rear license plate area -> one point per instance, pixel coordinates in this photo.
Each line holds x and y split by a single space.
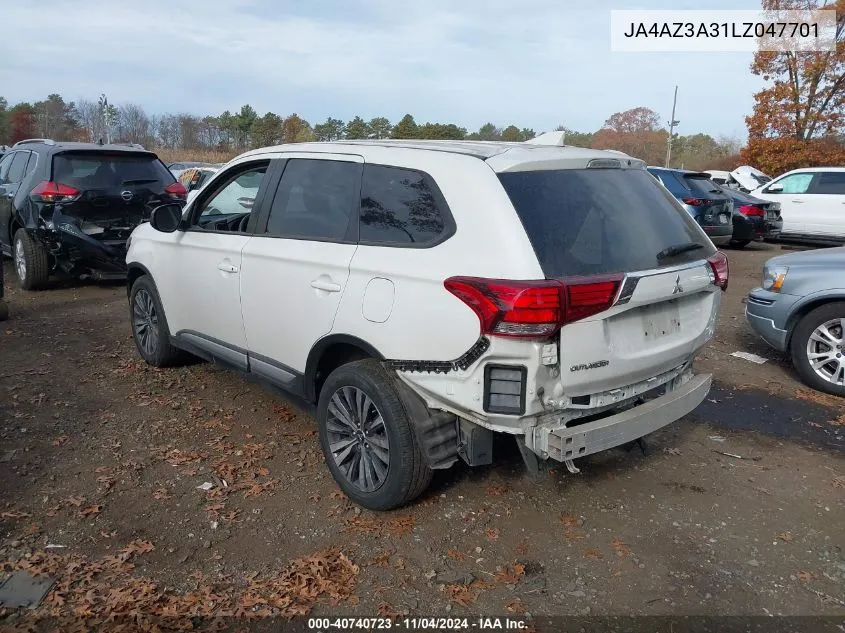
661 320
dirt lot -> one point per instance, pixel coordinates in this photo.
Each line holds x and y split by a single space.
102 460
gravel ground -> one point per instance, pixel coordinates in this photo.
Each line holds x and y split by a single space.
106 457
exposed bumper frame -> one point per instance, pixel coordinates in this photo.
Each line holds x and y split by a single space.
563 443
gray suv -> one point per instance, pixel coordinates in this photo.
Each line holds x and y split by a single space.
800 308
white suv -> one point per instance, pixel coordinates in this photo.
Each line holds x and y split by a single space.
424 295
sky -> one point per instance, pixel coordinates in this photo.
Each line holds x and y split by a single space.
533 63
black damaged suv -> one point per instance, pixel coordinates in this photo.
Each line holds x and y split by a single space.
70 207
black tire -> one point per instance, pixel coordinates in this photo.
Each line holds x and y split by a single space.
35 259
739 243
801 338
149 325
407 474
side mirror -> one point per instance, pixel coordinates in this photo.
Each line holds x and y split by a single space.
166 218
776 188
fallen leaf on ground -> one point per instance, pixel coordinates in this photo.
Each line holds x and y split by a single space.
569 520
138 546
786 537
805 576
838 481
522 548
620 547
91 511
672 451
461 594
75 501
383 559
515 606
456 555
592 554
387 610
14 514
510 574
496 490
492 534
62 439
161 494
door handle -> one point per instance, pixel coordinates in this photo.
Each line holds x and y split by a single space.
227 268
798 201
328 286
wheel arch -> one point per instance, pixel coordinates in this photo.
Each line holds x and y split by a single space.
133 273
805 308
329 353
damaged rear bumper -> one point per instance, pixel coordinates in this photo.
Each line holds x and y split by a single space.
74 250
564 441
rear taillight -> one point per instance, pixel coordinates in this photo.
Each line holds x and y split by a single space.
696 202
719 264
49 191
176 189
533 309
751 211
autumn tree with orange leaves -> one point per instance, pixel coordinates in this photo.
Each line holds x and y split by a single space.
799 117
637 132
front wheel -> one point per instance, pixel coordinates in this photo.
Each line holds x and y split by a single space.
368 438
149 325
818 348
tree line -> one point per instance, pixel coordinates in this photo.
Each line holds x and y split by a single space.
637 131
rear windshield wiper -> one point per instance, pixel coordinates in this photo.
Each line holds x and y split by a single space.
677 249
139 181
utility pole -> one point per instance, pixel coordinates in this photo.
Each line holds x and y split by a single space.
672 124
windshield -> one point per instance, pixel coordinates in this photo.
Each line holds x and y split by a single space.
598 221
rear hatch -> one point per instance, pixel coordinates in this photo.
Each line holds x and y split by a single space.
116 190
634 266
710 205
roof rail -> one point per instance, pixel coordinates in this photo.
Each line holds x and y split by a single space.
46 141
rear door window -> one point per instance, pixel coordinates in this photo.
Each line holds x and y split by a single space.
401 207
315 200
672 182
829 182
599 221
17 168
103 170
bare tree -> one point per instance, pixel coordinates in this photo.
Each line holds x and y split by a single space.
133 124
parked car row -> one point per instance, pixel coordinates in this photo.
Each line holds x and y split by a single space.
727 216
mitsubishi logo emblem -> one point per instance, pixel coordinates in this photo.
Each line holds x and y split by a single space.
678 287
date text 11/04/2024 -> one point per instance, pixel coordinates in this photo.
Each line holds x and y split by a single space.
723 29
417 624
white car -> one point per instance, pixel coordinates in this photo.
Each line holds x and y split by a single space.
425 295
812 203
744 178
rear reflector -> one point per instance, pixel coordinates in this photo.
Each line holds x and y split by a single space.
504 389
49 191
751 211
719 264
533 309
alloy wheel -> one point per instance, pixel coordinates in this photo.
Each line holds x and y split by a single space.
357 438
825 351
20 260
145 321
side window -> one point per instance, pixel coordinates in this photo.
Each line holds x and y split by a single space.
315 199
4 167
795 183
16 170
829 182
30 166
237 196
401 206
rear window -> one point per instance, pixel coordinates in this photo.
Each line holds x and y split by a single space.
702 186
107 171
599 221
